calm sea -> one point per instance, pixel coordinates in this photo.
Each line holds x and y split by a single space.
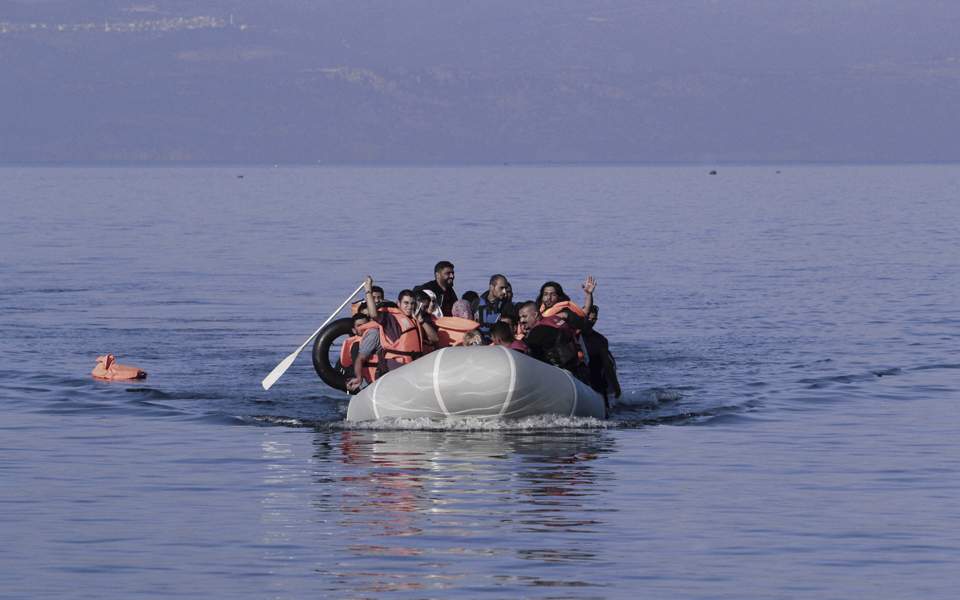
788 339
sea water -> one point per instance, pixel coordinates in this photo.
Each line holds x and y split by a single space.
788 341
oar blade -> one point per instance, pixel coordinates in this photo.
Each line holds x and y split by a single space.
278 371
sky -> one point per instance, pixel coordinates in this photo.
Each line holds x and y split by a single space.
485 81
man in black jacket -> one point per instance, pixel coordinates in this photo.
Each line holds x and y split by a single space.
442 286
492 304
603 367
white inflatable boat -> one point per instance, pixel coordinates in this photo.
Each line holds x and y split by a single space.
479 382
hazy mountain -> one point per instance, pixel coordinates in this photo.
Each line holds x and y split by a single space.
484 80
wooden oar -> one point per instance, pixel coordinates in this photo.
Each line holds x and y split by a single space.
280 369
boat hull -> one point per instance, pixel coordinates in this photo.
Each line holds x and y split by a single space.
476 382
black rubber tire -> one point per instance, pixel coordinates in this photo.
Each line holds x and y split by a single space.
328 336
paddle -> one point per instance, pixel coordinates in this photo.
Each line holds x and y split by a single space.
280 369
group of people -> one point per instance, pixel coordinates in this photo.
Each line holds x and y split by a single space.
552 328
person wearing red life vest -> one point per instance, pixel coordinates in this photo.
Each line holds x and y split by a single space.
552 299
553 339
395 336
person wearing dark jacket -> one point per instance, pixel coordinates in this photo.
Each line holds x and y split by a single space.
442 287
603 367
492 303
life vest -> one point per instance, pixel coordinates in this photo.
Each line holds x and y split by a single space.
408 344
347 352
108 369
451 330
556 308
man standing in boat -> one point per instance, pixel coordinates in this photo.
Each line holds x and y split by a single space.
442 286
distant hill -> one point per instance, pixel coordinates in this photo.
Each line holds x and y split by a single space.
496 81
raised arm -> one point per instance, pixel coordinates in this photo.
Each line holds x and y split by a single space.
588 286
429 331
368 296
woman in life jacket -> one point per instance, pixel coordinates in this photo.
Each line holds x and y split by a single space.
452 331
552 299
395 336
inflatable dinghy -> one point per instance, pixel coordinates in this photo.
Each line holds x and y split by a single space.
479 382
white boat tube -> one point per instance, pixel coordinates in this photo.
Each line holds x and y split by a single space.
476 381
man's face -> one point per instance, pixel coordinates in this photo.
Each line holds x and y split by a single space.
445 277
498 289
377 297
357 323
592 317
528 318
407 304
550 296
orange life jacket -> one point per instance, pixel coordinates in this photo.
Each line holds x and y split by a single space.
451 330
107 368
409 343
556 308
346 355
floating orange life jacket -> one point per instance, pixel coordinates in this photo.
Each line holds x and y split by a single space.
346 355
107 368
556 308
451 330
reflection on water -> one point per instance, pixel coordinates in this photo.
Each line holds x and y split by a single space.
420 510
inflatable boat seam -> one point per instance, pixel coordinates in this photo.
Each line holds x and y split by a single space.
436 383
373 399
513 381
573 382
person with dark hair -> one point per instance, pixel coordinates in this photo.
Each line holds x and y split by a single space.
501 334
602 365
378 301
351 350
474 299
395 335
442 286
552 299
492 303
553 339
551 292
511 319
